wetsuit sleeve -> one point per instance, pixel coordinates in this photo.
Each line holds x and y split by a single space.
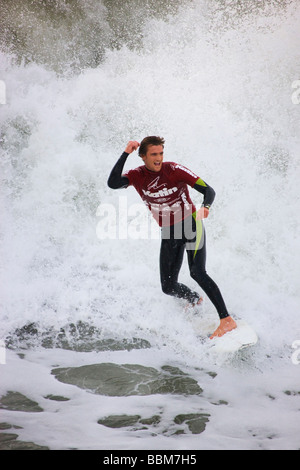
207 191
187 176
116 180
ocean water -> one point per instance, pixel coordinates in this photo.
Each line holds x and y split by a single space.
93 355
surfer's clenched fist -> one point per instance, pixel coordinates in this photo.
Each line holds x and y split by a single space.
131 146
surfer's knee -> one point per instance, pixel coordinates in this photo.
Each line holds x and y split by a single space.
167 287
198 274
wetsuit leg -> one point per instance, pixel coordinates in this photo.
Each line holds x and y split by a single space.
171 256
197 259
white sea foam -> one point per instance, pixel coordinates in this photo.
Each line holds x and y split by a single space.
223 100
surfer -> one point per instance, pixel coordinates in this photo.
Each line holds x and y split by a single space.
163 188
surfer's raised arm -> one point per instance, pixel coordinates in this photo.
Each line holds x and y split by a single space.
131 146
116 180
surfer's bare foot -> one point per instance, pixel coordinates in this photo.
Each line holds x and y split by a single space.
190 305
199 302
226 324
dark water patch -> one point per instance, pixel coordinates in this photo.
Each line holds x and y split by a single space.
230 14
14 137
5 426
80 337
56 398
15 401
271 397
128 379
9 441
292 393
134 422
69 35
152 421
220 402
119 421
58 34
196 422
262 434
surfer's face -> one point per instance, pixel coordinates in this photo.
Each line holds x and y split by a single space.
154 157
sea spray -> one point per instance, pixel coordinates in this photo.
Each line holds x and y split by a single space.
219 82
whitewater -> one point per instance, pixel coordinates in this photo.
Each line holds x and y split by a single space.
92 354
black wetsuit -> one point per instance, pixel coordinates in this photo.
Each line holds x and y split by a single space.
186 235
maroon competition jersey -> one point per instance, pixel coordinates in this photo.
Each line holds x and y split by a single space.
165 192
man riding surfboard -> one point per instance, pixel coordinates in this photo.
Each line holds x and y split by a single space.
163 186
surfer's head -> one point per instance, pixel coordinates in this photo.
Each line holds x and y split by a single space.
150 140
151 150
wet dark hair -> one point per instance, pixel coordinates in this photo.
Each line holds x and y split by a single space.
150 140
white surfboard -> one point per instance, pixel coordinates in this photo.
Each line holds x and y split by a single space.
239 338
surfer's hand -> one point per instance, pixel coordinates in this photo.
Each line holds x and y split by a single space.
131 146
202 213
